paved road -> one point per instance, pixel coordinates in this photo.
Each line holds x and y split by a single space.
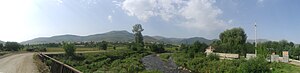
18 63
295 62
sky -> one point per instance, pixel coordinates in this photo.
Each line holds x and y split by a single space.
22 20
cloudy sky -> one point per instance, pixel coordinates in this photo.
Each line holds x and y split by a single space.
22 20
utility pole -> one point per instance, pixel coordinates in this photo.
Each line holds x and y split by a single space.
255 31
255 34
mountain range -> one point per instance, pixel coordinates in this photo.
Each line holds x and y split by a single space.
114 36
117 36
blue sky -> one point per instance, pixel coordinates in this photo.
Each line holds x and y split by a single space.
276 19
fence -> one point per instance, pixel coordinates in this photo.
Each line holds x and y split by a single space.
57 66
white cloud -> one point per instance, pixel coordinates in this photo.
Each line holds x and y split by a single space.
109 17
59 2
199 14
260 1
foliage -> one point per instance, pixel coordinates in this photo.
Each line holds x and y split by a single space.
115 61
195 48
103 45
233 40
69 49
213 57
165 56
136 47
212 64
295 53
256 65
198 47
137 30
1 47
158 48
278 67
12 46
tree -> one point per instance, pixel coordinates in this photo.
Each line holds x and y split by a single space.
12 46
158 48
1 46
295 53
233 40
137 30
103 45
199 47
69 49
138 45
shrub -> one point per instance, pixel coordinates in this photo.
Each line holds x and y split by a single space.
255 65
213 57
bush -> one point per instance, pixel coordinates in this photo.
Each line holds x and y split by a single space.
255 65
213 57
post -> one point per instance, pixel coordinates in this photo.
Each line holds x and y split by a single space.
255 31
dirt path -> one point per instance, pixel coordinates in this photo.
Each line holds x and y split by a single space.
18 63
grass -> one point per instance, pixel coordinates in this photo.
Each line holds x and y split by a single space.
165 56
284 68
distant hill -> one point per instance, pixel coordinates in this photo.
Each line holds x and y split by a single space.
114 36
1 41
194 39
258 40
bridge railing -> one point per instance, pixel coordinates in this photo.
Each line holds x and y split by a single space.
57 66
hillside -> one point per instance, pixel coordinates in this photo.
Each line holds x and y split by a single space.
1 41
114 36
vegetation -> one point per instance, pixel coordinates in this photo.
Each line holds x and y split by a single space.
59 49
42 67
137 30
189 56
102 45
232 41
12 46
116 61
69 49
1 46
158 48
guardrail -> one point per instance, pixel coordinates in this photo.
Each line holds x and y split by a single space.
57 66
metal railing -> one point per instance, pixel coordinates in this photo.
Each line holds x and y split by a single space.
57 66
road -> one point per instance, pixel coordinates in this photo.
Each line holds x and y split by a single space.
295 62
18 63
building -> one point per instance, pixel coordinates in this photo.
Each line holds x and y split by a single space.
277 58
210 49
